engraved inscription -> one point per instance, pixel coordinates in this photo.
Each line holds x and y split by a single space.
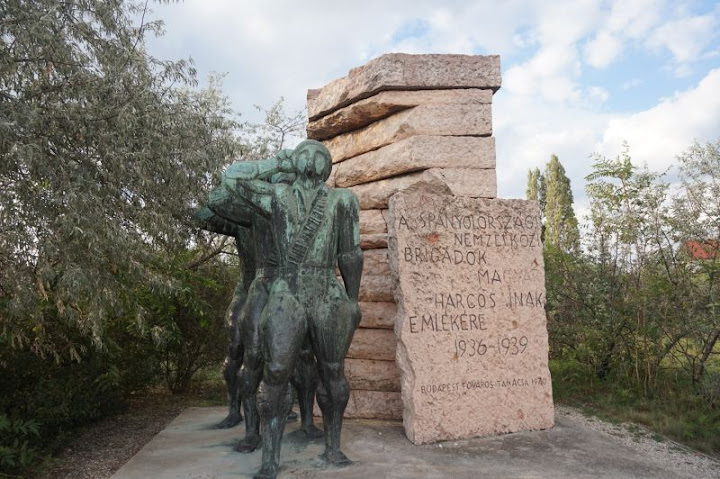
472 327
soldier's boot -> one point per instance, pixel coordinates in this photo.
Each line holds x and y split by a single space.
232 382
333 395
305 381
273 406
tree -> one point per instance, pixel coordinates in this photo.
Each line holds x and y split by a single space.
696 218
105 151
561 226
553 193
560 250
535 190
278 130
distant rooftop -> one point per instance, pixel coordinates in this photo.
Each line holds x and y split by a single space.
703 250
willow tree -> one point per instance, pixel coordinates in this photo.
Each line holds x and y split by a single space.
105 151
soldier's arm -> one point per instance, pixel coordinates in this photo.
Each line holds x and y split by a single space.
246 179
350 256
212 222
230 207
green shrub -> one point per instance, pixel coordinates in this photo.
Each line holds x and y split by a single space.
16 451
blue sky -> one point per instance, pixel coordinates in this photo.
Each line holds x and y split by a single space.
578 76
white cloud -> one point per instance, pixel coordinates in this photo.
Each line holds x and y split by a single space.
685 38
660 133
597 95
603 50
634 19
283 47
624 22
529 129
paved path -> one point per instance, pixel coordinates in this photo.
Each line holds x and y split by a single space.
190 449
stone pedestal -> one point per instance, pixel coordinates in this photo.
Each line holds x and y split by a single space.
471 327
401 123
468 357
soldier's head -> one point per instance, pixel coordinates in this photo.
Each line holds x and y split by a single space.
312 160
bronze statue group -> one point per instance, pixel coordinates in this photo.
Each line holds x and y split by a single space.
291 320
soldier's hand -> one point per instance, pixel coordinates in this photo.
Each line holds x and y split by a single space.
285 163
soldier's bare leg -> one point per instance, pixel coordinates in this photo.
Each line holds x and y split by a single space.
305 380
283 328
331 330
251 372
233 361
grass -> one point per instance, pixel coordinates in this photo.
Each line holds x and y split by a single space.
676 412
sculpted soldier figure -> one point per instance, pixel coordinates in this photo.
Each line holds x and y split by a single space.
233 360
248 352
315 229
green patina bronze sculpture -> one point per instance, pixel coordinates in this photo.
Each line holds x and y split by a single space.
314 230
242 234
255 243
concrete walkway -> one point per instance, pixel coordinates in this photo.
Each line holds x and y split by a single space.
190 449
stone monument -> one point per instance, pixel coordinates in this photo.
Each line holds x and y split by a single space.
472 337
422 124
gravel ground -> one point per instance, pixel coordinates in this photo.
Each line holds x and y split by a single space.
103 448
673 455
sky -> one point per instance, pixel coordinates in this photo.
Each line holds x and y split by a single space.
578 77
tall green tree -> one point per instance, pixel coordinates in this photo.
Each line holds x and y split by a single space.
535 190
553 193
105 152
561 226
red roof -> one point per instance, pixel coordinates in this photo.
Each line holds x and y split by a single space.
708 249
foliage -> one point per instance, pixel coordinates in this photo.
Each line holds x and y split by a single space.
105 152
54 398
187 324
107 284
561 227
680 415
16 453
635 315
552 191
278 130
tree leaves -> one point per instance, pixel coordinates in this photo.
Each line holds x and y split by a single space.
105 152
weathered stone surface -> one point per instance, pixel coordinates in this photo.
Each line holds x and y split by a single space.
373 405
472 338
373 241
414 154
331 179
372 375
372 221
469 181
451 181
376 287
377 344
376 262
378 315
401 71
438 120
384 104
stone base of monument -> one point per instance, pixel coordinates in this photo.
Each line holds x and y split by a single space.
189 448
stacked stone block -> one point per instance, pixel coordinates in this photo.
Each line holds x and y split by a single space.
401 123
